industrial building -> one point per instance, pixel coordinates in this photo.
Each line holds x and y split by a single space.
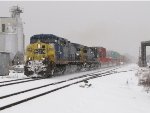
12 36
4 63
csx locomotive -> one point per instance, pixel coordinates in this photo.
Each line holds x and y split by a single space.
48 54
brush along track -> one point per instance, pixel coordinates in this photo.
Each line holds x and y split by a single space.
91 76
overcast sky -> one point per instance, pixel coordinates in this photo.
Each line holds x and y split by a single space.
119 26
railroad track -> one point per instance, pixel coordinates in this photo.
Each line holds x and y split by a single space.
90 74
25 80
55 83
14 80
83 78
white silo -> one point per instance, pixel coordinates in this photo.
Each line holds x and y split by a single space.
20 36
19 56
15 13
10 44
11 35
2 39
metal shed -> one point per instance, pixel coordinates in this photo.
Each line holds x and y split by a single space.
4 63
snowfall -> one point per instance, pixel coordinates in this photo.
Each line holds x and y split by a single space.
116 93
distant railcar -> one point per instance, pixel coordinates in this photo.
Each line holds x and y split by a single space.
114 56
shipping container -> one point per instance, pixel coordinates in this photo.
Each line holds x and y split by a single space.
113 54
102 52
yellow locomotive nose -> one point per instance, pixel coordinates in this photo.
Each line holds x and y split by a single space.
38 57
40 51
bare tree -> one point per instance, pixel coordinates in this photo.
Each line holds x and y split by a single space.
144 78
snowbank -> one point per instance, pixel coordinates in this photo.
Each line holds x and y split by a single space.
116 93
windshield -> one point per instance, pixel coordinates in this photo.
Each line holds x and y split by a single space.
44 39
39 51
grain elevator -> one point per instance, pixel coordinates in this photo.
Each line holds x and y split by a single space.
12 36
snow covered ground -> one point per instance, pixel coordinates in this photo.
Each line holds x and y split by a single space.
116 93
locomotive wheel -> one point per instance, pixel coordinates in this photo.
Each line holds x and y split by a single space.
47 74
79 67
63 69
27 72
50 70
89 67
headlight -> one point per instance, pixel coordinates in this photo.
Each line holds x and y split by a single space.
43 58
77 54
39 46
